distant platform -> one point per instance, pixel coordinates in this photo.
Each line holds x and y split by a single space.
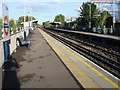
94 34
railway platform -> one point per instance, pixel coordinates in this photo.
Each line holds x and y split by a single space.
94 34
51 64
38 67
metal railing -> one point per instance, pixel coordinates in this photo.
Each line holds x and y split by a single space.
13 30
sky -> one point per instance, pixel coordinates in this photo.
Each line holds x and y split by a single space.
43 10
46 10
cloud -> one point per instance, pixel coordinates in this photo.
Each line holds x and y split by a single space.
32 0
105 9
38 7
45 0
103 5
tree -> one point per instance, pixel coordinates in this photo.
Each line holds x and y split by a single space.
60 18
12 23
1 24
21 19
88 12
104 16
93 18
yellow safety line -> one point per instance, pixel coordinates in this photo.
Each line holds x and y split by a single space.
96 71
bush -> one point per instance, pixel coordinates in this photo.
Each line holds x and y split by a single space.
0 32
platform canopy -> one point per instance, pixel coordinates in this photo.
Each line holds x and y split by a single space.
34 21
55 23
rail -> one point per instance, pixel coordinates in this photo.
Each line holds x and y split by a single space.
108 64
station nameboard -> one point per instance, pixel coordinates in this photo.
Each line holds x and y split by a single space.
6 29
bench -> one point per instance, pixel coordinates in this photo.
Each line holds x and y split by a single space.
31 31
21 42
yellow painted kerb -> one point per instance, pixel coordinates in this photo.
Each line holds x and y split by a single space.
96 71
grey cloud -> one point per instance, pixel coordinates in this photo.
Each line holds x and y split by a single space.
39 7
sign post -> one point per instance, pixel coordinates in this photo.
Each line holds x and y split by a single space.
6 29
6 37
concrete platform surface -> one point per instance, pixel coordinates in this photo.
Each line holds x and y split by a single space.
38 67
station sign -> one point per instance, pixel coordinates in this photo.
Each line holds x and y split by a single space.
6 28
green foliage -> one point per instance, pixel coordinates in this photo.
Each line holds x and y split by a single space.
1 24
88 12
21 19
104 16
60 18
14 30
0 32
92 17
12 23
117 21
47 25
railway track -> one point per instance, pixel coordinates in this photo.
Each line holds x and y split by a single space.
104 51
112 66
115 55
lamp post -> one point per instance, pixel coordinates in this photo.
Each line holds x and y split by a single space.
29 26
31 10
24 16
90 16
114 16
